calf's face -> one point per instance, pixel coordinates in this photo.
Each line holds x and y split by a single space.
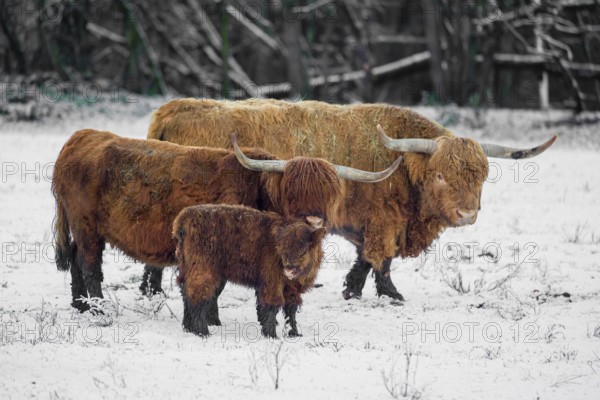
298 246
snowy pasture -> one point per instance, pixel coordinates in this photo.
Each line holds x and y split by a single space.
507 308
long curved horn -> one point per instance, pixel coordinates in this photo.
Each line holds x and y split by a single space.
497 151
353 174
256 165
406 145
348 173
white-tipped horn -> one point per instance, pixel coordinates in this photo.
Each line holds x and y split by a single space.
256 165
406 145
353 174
498 151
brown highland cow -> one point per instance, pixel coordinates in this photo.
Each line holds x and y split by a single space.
438 185
256 249
127 192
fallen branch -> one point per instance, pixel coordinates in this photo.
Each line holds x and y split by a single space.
395 66
581 69
104 33
201 75
255 30
399 39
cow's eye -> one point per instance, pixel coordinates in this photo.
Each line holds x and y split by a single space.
439 177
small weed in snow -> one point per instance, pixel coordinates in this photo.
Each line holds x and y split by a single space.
399 380
555 332
43 318
565 354
574 235
102 312
335 346
112 387
150 306
453 277
273 356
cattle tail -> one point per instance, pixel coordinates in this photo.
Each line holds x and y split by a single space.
63 249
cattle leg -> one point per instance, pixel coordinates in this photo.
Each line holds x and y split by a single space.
194 316
384 284
77 286
267 316
292 303
90 261
356 278
212 306
152 281
290 311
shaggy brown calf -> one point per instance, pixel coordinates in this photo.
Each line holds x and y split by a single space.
259 250
437 186
127 192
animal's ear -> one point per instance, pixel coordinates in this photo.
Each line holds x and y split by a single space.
314 221
318 235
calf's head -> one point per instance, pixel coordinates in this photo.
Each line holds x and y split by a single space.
450 172
298 246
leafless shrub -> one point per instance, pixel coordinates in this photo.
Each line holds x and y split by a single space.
102 312
254 361
574 235
150 306
273 357
335 346
594 332
399 380
453 277
565 354
455 281
491 353
554 332
513 307
503 280
114 385
276 358
43 318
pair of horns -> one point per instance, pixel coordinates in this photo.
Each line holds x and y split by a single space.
348 173
491 150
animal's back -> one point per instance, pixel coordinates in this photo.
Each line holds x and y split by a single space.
232 239
342 134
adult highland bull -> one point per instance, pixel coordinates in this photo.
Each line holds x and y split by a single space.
127 192
438 184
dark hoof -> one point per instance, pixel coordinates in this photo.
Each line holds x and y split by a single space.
317 285
80 306
294 333
197 330
393 295
150 291
269 333
396 302
349 294
385 286
199 333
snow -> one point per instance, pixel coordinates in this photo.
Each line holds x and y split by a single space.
528 325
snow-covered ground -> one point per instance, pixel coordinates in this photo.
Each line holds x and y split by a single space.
507 308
